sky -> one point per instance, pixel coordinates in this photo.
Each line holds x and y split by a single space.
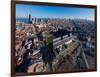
40 11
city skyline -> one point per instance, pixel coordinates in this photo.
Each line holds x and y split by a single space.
41 11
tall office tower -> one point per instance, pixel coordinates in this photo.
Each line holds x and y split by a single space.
36 21
29 18
33 20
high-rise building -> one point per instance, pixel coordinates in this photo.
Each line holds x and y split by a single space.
29 18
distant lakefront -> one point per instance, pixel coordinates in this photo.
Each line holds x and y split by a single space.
22 20
27 19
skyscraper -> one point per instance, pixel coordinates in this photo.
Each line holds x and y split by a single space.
29 18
